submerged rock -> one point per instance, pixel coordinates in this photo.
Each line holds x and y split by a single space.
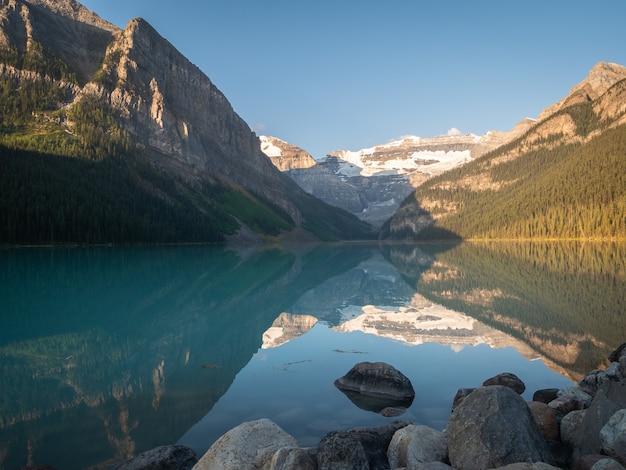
374 386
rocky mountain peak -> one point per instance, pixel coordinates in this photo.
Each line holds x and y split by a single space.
64 28
285 156
601 77
73 10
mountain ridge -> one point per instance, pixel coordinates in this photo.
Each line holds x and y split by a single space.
371 183
129 94
562 178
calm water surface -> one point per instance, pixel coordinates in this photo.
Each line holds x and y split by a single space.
107 352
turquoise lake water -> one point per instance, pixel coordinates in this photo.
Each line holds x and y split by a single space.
107 352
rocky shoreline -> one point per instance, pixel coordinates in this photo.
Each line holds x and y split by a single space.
576 428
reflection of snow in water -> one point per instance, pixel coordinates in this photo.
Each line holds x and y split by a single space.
292 384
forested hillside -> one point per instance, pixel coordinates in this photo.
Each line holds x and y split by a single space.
92 186
547 184
94 154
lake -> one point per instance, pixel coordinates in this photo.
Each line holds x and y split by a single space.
109 351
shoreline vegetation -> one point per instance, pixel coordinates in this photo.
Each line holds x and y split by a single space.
619 239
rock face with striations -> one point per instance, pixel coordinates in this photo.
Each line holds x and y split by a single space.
175 117
185 123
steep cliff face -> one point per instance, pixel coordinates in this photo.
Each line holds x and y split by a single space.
186 125
161 106
74 34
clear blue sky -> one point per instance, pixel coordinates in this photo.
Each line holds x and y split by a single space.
347 74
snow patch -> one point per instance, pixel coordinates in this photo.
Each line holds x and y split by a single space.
268 148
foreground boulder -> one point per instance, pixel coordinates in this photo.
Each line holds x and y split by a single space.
249 445
613 436
341 450
493 427
507 379
417 444
375 442
610 398
375 386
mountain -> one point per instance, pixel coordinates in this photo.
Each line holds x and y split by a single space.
371 183
565 177
124 112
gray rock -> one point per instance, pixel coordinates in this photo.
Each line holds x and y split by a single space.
545 395
377 380
613 436
619 352
610 398
460 396
493 427
416 444
507 379
431 466
339 450
249 445
592 381
564 404
587 462
607 464
570 427
584 397
528 466
375 442
613 371
545 417
294 458
162 458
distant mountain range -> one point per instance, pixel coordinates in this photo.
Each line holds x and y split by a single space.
112 135
562 175
371 183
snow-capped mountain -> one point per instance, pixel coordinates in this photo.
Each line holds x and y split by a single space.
408 154
372 182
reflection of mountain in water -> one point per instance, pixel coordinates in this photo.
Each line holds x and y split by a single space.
286 328
564 300
373 282
127 348
537 299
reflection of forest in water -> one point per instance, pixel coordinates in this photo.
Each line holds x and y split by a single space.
565 300
106 352
128 347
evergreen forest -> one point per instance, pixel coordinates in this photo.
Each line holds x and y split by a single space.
553 190
72 174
